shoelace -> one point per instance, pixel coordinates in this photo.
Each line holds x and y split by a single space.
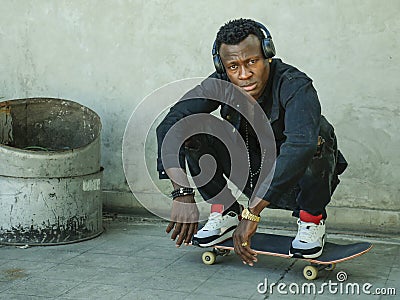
214 219
307 231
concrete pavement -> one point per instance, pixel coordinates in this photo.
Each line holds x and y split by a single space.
135 259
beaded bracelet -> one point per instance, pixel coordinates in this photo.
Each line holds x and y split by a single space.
183 191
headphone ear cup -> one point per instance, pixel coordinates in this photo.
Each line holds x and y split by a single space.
268 47
219 67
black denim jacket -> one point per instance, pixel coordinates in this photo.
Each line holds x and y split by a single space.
293 108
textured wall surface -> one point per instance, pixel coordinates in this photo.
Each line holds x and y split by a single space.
108 55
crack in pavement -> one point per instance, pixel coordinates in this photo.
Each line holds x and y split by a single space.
286 271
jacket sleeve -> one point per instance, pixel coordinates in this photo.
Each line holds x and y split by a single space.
302 112
193 102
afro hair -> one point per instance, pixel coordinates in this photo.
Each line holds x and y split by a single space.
235 31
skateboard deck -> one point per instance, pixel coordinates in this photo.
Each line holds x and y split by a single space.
279 245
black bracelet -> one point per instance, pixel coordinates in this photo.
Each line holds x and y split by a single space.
183 191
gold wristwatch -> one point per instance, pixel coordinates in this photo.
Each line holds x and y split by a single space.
247 215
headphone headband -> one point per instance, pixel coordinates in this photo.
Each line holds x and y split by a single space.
266 31
267 47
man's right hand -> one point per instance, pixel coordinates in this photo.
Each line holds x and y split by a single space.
184 218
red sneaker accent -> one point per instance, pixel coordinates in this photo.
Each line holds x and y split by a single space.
309 218
219 208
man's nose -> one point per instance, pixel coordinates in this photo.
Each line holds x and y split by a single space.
244 73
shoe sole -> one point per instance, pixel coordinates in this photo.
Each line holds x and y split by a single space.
226 236
301 255
312 255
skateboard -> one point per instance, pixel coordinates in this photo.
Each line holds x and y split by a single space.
279 245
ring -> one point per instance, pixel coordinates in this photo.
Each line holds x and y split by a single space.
244 244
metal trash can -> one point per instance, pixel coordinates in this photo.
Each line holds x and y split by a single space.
50 173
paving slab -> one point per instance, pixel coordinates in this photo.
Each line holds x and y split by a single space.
135 259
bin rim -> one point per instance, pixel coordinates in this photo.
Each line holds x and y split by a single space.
5 103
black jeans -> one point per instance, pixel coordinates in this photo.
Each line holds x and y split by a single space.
312 193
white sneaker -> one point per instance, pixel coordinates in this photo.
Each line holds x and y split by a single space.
309 241
217 229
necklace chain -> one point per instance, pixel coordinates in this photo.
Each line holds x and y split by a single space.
252 174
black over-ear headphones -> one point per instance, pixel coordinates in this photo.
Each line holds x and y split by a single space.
267 46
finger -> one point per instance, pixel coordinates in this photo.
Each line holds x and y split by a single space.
247 249
170 226
182 234
176 231
190 233
246 255
236 242
251 251
249 254
245 252
236 245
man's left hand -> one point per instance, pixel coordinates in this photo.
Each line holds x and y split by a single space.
242 241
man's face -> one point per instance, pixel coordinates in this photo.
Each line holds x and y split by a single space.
246 66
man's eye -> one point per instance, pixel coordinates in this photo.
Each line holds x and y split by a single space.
252 61
232 67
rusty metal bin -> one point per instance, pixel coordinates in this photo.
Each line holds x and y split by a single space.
50 172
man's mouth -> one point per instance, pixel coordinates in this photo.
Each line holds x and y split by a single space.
249 87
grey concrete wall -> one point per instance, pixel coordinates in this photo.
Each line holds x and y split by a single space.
108 55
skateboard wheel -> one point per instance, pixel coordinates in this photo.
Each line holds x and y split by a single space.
310 272
208 257
330 267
